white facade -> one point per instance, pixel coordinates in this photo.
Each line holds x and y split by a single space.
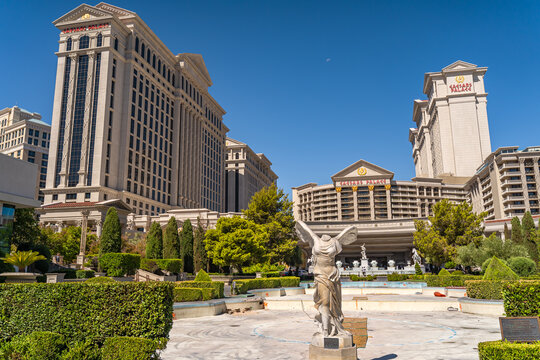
131 120
452 134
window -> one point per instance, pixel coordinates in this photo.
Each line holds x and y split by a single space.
55 197
68 46
136 44
87 195
116 44
30 132
99 40
71 196
83 42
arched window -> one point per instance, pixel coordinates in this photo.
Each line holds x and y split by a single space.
173 84
136 44
116 44
148 56
68 44
154 61
99 40
83 42
159 66
142 50
169 75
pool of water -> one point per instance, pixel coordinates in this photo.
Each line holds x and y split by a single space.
375 284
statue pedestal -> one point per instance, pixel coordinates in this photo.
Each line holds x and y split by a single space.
364 265
391 268
338 347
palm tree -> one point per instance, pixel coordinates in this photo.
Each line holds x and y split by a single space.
23 259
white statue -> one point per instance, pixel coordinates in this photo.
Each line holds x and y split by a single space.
363 247
339 264
327 296
355 264
416 257
374 264
391 263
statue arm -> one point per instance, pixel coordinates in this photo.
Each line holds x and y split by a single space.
305 233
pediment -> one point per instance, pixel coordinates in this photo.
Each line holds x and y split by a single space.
363 170
80 13
232 142
197 61
460 65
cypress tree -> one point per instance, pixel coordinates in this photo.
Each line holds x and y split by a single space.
507 233
154 242
529 235
171 241
517 233
199 252
186 247
111 235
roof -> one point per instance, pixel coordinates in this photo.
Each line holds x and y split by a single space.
69 205
39 122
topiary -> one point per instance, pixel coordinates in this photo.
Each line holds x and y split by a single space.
444 272
417 269
202 276
82 350
111 235
486 263
522 266
498 270
457 272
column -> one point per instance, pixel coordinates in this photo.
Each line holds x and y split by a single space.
355 201
372 201
388 187
338 191
536 177
99 227
524 184
86 125
68 122
84 226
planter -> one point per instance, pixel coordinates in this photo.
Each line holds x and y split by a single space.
20 277
53 278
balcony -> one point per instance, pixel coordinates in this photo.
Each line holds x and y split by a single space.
513 198
511 190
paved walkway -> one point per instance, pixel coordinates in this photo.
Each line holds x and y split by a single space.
267 334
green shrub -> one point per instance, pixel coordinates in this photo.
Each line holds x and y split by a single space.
270 274
129 348
218 285
397 277
362 278
119 264
457 272
100 280
70 273
444 272
416 277
522 298
289 281
85 274
417 269
446 281
449 265
38 345
497 270
262 268
82 311
504 350
82 350
486 263
153 265
485 289
202 276
242 286
208 293
522 266
187 294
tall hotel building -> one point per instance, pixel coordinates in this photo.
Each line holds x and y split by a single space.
131 121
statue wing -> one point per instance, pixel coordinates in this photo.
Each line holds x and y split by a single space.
305 233
347 236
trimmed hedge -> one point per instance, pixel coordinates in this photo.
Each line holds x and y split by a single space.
416 277
219 286
82 350
187 294
451 280
504 350
397 277
38 345
202 276
83 311
498 270
444 272
171 265
129 348
289 281
522 298
485 289
242 286
100 280
119 264
70 273
270 274
362 278
84 274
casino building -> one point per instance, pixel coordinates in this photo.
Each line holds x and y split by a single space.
132 122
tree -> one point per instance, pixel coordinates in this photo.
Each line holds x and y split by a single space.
450 226
236 242
171 241
272 208
111 236
25 227
154 242
23 259
517 233
529 235
199 252
186 247
507 233
473 255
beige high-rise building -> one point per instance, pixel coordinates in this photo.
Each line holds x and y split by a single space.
131 120
451 138
246 173
507 183
23 135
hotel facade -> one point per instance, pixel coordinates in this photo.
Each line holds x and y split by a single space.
132 122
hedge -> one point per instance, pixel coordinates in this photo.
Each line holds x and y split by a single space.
522 298
100 280
242 286
362 278
81 311
187 294
202 276
84 274
485 289
171 265
129 348
416 277
270 274
397 277
70 273
82 350
498 270
119 264
504 350
42 345
289 281
451 280
218 285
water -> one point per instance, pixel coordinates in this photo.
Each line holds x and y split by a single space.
375 284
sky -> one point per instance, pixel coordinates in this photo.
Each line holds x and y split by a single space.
314 85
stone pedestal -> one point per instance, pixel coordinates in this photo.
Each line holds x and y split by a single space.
391 268
338 347
20 277
364 265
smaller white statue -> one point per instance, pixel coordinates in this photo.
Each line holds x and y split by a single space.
339 264
363 247
356 264
374 264
391 263
416 257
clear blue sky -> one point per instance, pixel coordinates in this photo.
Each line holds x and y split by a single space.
315 85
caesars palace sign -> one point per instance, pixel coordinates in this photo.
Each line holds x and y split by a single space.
362 172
